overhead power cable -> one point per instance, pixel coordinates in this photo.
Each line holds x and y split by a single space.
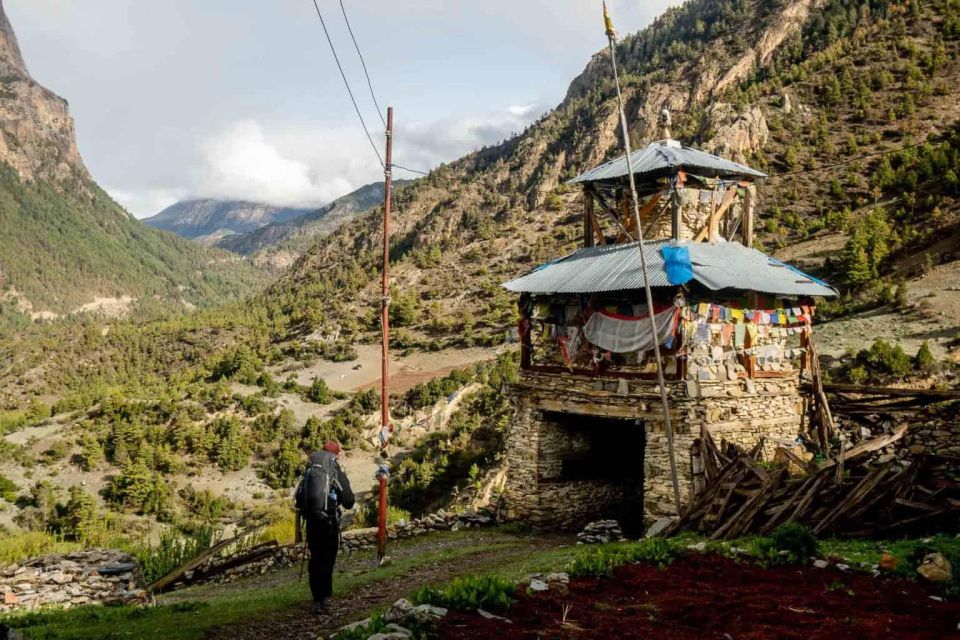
400 166
347 84
363 63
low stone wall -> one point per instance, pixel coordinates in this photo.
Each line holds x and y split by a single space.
739 411
90 577
364 539
356 540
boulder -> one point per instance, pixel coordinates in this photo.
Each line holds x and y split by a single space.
491 616
399 610
426 614
936 568
539 585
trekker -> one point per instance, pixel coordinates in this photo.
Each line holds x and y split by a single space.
323 489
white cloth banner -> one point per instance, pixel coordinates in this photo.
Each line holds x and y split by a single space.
623 334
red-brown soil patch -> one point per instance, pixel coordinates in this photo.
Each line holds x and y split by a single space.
709 597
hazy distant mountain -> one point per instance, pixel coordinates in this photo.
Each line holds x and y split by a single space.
286 240
210 220
64 243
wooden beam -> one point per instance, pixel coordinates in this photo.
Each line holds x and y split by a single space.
710 231
933 394
172 577
675 213
588 207
747 225
868 446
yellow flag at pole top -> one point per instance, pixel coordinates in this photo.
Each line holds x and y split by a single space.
608 22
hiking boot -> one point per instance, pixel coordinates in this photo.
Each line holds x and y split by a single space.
320 607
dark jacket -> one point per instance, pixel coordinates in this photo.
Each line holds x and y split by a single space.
341 484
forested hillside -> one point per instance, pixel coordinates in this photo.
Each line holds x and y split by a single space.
821 94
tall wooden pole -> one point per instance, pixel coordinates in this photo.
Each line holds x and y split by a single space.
385 428
612 36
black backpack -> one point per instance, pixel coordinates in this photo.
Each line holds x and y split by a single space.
317 495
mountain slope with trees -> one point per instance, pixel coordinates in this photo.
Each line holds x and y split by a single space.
65 243
793 87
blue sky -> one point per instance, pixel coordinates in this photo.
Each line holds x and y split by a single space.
241 98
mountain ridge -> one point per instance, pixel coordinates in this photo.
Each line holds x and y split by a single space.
209 219
279 243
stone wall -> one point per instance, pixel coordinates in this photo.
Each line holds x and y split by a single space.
90 577
937 436
740 411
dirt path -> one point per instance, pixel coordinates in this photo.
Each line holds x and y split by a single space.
405 371
453 558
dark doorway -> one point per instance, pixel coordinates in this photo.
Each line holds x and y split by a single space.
606 456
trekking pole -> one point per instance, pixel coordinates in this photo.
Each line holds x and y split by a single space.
303 552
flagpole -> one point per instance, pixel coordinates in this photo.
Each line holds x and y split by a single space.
661 379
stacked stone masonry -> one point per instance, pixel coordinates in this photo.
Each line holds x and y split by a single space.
741 411
77 579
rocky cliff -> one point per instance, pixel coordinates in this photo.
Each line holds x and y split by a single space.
38 139
65 244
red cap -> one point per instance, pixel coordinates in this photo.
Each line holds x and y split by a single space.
333 447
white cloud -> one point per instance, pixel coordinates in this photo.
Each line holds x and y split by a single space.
242 163
429 144
306 165
146 202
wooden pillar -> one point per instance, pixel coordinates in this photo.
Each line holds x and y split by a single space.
524 327
675 212
588 215
747 226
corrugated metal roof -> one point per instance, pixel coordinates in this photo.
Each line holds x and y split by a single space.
665 158
724 265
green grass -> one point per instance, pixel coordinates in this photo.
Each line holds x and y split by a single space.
193 612
198 610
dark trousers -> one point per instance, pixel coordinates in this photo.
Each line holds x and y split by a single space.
323 540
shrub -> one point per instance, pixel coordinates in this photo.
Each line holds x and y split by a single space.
283 469
603 560
232 448
337 351
368 516
790 544
173 550
924 360
470 592
203 505
885 358
319 392
8 489
240 363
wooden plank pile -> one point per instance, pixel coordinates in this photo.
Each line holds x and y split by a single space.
867 489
